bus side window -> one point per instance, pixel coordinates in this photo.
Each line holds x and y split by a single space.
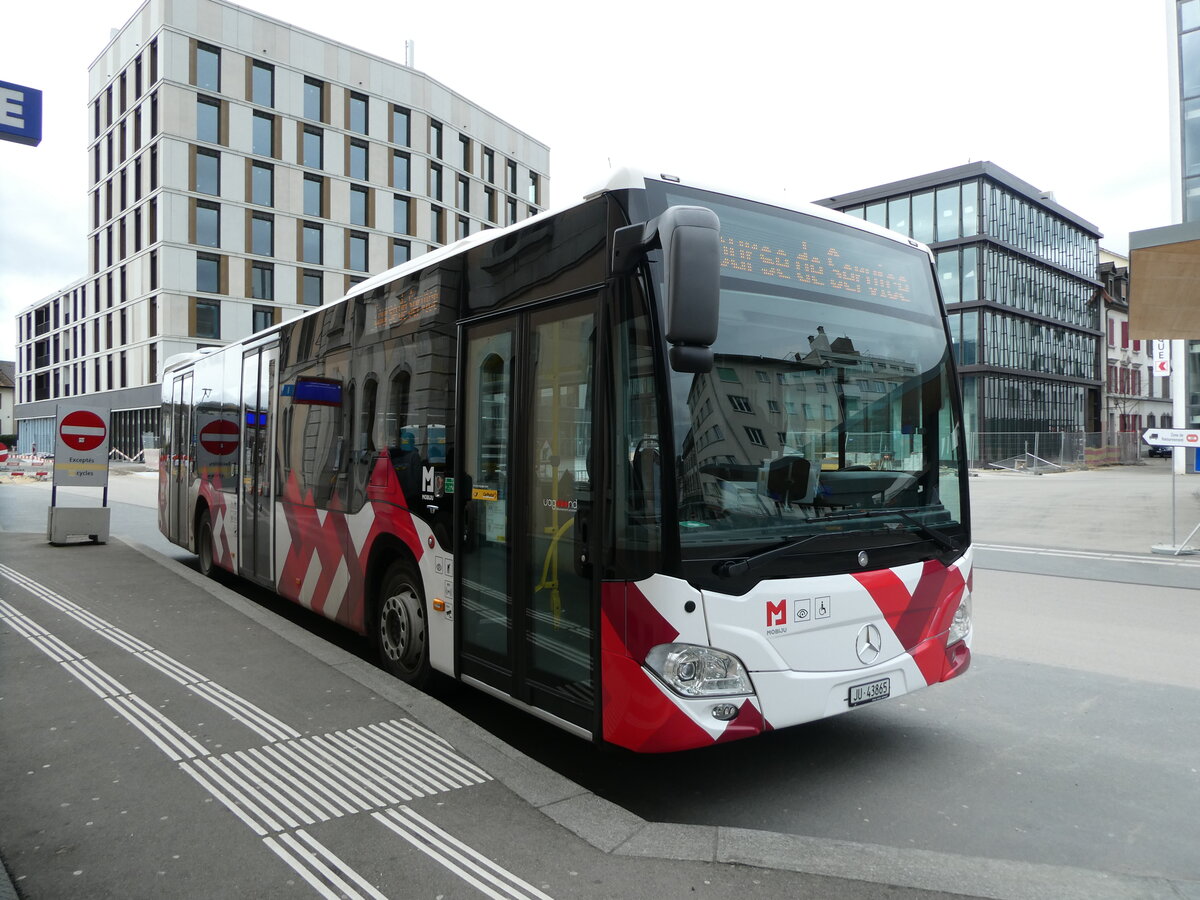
638 471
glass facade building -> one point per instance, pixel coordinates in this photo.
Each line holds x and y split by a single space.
1018 275
1186 91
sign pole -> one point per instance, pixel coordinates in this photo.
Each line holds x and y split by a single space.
1175 438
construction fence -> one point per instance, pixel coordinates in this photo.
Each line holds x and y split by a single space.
1052 450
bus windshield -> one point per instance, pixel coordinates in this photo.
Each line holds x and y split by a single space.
830 407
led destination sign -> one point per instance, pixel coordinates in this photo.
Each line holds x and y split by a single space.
774 246
826 269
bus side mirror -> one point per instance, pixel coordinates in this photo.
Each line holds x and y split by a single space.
690 240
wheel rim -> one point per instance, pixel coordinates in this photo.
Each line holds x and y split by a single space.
402 628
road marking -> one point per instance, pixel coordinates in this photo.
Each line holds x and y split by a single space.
291 781
240 709
1093 555
313 870
462 860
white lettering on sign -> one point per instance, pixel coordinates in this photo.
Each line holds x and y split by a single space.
12 108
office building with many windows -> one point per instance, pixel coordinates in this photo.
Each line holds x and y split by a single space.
243 170
1017 272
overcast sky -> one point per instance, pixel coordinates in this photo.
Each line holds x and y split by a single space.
811 98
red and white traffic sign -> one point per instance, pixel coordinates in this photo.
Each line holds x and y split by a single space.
219 437
82 430
81 449
1172 437
1162 367
3 453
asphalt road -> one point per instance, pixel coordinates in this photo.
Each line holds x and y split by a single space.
1071 742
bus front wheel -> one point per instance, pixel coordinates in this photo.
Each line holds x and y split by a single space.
400 631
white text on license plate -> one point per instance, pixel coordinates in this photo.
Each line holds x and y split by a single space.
870 692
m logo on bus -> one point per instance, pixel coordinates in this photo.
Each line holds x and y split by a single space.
776 613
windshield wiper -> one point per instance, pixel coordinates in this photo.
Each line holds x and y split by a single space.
732 567
949 546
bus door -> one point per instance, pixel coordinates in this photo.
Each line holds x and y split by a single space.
256 509
180 458
527 599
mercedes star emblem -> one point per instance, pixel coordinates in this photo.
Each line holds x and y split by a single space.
868 644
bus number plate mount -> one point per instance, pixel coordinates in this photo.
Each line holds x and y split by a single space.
861 694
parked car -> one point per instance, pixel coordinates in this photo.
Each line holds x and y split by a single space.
1163 452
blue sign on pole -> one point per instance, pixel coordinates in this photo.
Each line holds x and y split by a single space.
20 114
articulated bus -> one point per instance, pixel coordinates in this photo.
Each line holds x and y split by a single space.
667 468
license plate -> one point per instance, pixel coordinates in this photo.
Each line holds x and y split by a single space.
870 692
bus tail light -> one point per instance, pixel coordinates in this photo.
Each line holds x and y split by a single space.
694 671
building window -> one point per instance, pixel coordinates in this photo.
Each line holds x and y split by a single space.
208 171
262 234
208 120
311 250
512 176
741 404
435 139
489 166
314 195
264 135
262 184
401 221
208 319
208 68
310 288
535 189
264 317
358 205
358 160
208 224
401 251
358 251
489 197
262 281
464 193
314 92
464 146
208 273
435 181
512 210
312 153
400 126
437 225
462 228
357 113
400 171
262 84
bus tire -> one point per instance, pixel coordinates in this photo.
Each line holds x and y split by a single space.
400 627
205 545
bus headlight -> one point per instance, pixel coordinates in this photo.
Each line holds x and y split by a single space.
960 627
694 671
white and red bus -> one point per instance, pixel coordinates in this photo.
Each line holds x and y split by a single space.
667 468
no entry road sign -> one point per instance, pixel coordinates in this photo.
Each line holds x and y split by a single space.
81 451
82 430
219 437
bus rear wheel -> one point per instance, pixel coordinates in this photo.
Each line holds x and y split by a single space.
401 633
204 546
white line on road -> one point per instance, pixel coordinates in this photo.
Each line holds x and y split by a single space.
1093 555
